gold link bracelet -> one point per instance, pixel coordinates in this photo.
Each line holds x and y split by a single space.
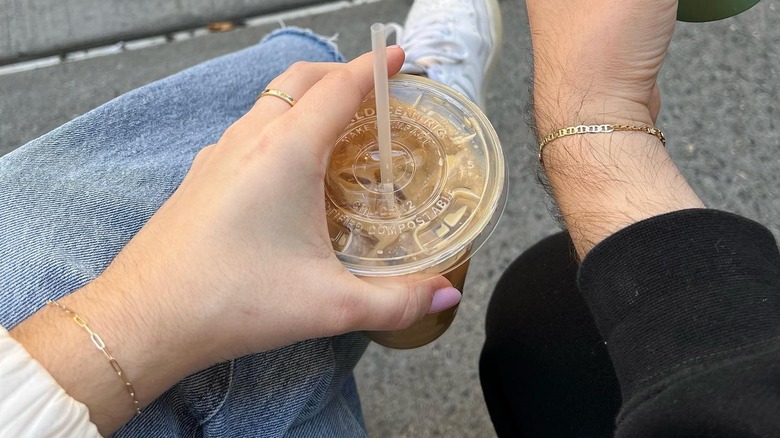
98 342
597 129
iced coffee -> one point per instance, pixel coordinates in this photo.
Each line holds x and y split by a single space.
446 194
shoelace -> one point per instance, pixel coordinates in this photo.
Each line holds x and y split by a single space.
431 42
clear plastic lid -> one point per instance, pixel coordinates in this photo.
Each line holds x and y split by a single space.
447 191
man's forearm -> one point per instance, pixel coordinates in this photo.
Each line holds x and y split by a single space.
597 63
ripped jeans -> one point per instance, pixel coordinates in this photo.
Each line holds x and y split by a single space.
71 199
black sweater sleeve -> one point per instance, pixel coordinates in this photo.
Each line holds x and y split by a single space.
689 304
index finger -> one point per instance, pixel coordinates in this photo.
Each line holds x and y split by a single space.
326 109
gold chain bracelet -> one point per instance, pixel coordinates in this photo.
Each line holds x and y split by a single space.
98 341
597 129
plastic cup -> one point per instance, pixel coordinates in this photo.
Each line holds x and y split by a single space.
711 10
448 193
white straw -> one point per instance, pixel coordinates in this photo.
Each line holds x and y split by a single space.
379 46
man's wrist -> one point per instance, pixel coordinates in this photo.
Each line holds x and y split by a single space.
552 114
605 182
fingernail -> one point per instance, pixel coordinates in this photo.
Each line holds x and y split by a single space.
394 46
443 299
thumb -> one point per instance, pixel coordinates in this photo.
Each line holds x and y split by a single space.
397 303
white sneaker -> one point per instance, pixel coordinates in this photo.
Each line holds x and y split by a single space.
455 42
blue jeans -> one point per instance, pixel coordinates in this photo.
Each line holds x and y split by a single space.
70 200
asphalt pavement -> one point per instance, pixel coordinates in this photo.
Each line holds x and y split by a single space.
34 28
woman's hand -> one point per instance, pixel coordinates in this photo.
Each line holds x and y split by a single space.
243 243
237 261
597 61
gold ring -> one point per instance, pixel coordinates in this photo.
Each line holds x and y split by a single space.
278 93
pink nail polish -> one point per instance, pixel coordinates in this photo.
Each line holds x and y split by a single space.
443 299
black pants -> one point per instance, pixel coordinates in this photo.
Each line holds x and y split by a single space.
544 367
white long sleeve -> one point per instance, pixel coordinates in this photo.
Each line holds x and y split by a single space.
32 403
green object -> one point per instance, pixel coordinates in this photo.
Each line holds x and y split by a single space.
711 10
